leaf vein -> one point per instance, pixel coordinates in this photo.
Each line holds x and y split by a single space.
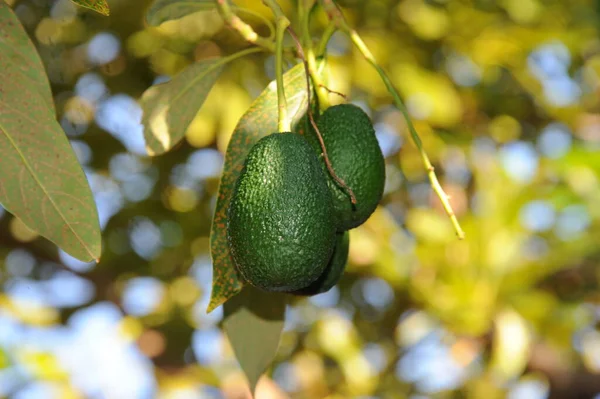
39 183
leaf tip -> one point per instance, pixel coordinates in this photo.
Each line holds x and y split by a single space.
103 10
253 382
150 151
219 298
214 303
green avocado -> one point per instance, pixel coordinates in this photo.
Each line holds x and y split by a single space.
280 220
334 270
356 158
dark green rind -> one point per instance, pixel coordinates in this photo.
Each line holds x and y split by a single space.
334 270
356 158
280 222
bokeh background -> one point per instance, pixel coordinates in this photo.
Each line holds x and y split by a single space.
506 97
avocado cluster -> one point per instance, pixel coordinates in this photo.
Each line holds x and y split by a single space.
288 219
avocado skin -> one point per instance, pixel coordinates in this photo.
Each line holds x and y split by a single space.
334 270
356 158
280 219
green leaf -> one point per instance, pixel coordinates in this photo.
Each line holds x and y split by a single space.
166 10
100 6
260 120
16 47
41 181
253 321
170 107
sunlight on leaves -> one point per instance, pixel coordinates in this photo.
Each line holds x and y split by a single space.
167 10
100 6
170 107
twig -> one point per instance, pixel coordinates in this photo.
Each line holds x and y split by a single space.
322 47
337 18
334 176
243 28
333 91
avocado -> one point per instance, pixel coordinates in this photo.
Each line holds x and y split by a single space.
355 157
334 270
280 219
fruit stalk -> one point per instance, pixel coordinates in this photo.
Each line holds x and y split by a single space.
283 122
336 16
322 94
332 173
308 54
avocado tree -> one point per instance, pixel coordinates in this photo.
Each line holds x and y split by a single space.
282 235
308 186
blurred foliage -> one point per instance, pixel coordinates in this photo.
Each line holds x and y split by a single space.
505 96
